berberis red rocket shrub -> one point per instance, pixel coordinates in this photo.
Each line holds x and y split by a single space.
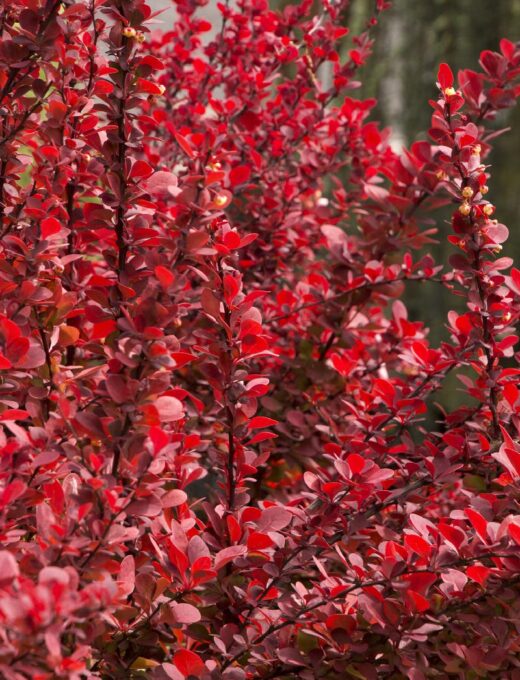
220 451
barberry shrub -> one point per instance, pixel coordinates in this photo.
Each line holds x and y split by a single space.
221 454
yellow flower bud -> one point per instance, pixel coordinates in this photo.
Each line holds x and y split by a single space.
129 32
488 209
220 200
140 37
464 208
449 92
484 189
467 192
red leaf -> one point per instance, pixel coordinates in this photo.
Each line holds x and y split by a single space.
234 529
164 276
14 414
174 498
145 507
102 328
418 602
162 184
184 144
169 408
8 568
189 663
103 87
5 364
231 288
152 62
228 555
126 578
239 175
117 388
356 463
510 459
140 169
91 424
452 534
261 421
12 491
418 544
149 87
341 621
274 518
54 492
478 573
478 522
185 613
445 76
514 532
258 541
232 240
50 226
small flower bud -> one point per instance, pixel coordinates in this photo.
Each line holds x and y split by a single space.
484 189
488 209
464 208
129 32
220 200
467 192
140 37
449 92
162 89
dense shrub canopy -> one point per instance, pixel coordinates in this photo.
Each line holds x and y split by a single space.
221 454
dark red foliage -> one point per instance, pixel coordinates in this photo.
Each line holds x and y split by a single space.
220 451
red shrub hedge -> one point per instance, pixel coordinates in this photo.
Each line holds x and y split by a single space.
220 451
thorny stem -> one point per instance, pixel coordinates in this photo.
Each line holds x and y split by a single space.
230 415
487 335
48 363
122 246
487 347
